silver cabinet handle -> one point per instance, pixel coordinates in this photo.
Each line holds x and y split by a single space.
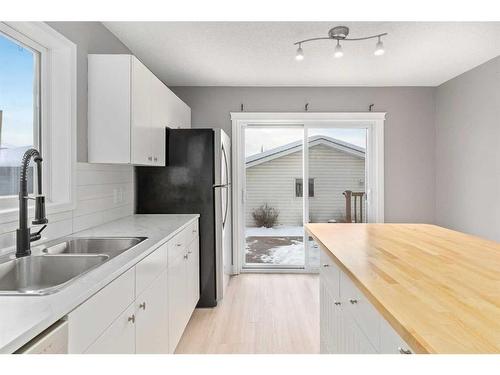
326 265
150 158
404 351
353 301
337 303
142 305
131 318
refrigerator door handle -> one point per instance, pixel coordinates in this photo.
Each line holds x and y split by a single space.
221 186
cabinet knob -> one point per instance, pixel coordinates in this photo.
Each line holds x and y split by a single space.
150 158
186 256
404 351
178 244
156 159
142 305
353 301
326 265
337 303
131 318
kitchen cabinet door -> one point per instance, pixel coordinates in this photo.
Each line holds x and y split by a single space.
354 340
119 337
177 292
152 318
193 276
141 105
159 120
331 324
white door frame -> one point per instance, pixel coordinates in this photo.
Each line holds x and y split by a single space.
372 121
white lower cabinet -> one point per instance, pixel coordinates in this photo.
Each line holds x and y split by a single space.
349 323
183 283
118 338
151 331
146 309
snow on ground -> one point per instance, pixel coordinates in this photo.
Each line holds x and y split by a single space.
277 231
281 245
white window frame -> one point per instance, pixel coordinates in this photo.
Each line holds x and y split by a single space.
57 115
372 121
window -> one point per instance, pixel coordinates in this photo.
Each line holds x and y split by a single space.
19 115
38 104
299 190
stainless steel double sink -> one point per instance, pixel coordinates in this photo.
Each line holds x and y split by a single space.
55 265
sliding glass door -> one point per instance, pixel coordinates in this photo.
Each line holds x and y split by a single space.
336 170
274 230
287 185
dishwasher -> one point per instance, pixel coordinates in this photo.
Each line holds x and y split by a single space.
54 340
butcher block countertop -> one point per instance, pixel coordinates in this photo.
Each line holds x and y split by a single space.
438 288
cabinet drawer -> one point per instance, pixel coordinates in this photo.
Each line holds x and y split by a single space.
148 269
90 319
361 310
390 341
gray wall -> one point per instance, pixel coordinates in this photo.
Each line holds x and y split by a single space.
409 131
90 37
468 151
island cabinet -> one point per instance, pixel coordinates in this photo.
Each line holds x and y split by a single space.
128 111
146 309
349 323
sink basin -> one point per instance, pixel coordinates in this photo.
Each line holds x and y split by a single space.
111 246
44 274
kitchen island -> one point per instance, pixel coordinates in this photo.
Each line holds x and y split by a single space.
407 288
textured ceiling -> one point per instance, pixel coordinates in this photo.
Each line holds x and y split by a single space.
262 53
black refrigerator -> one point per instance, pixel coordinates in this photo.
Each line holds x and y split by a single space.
195 180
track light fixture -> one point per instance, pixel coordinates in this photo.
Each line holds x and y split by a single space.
340 33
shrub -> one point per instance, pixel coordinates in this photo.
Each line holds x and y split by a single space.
265 216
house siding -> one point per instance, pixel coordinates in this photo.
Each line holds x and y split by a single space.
273 182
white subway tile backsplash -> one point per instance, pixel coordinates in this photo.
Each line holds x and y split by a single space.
104 193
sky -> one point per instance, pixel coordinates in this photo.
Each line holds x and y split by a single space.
16 93
263 139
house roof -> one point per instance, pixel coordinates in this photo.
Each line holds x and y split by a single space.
292 147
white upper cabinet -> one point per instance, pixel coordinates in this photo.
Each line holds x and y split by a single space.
129 109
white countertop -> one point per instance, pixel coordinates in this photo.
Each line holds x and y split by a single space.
24 317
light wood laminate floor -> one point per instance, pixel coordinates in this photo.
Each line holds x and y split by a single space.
261 313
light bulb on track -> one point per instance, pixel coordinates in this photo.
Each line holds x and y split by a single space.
338 52
300 54
379 48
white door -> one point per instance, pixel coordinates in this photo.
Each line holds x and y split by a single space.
152 318
141 94
119 337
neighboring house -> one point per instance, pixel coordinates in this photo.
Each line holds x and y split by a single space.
275 177
10 163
